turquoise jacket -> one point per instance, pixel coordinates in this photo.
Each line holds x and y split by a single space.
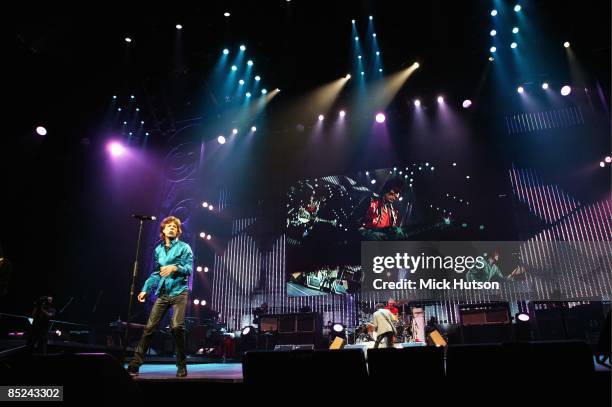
178 254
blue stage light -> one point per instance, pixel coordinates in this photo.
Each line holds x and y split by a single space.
242 48
248 94
513 45
264 91
250 63
241 82
493 49
517 8
225 51
515 30
493 33
493 12
234 68
257 78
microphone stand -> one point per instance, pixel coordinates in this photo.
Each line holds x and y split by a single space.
131 302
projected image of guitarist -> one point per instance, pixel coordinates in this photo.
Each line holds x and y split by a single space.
306 216
376 216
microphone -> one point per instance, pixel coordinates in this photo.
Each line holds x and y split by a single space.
144 217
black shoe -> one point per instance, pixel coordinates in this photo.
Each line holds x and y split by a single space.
132 370
181 371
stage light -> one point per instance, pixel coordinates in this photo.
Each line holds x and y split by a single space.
566 90
371 17
493 12
440 99
566 44
515 30
226 14
241 81
138 109
467 177
264 91
517 8
520 89
379 69
523 327
114 96
466 103
513 45
454 164
493 49
342 113
248 94
41 131
132 96
58 332
416 65
359 56
205 204
203 235
247 330
206 269
545 85
250 63
380 118
179 27
491 59
203 303
124 123
253 129
147 133
373 182
257 78
130 133
493 33
196 302
321 117
208 237
221 140
417 103
210 207
602 164
234 68
199 269
116 149
128 39
141 122
377 52
235 131
225 51
362 73
374 35
608 159
356 38
353 21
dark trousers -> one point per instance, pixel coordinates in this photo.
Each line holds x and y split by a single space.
161 306
37 340
387 335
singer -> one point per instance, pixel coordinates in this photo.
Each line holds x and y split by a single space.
173 265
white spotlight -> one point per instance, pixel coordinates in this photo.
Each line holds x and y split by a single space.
566 90
179 27
520 89
545 85
466 103
342 113
566 44
440 99
221 140
321 117
235 131
253 129
226 14
417 103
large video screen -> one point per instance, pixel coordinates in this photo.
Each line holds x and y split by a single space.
327 218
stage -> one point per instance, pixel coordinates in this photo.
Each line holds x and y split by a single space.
200 372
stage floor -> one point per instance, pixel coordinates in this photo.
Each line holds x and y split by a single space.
214 372
202 372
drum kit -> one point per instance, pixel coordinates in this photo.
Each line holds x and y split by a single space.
409 324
